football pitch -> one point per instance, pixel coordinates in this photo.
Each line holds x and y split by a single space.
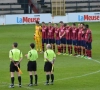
71 73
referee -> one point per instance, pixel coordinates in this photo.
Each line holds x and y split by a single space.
15 56
49 58
32 65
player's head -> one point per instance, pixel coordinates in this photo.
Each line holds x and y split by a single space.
79 25
73 25
37 23
49 24
82 25
55 25
86 26
43 23
61 23
65 25
48 46
15 45
32 45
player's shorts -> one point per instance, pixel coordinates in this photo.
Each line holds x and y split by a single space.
51 41
13 68
68 42
63 40
32 66
57 42
88 45
79 43
45 41
83 43
47 67
75 42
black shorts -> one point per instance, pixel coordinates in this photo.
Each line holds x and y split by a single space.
32 66
47 67
13 68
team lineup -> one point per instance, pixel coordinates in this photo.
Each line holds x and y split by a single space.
77 39
67 40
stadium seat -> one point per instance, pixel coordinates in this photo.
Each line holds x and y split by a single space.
11 7
77 5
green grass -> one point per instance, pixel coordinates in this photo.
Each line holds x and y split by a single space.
71 73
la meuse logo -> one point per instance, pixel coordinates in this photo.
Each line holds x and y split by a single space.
88 17
27 19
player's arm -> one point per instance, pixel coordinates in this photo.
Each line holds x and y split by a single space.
60 34
21 57
45 56
63 34
10 56
54 58
89 36
37 55
28 55
40 31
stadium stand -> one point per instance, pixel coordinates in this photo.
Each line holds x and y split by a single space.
75 5
45 6
13 6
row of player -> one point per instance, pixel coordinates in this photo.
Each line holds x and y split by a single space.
77 39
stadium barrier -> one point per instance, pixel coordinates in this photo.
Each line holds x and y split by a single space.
84 17
31 18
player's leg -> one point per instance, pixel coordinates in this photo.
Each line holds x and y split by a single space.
52 77
31 78
29 69
61 45
35 72
64 46
71 48
74 45
53 42
47 71
58 46
43 42
12 80
86 50
67 46
40 44
19 76
89 50
12 70
37 44
83 48
78 48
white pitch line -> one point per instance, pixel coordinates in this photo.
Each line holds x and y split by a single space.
96 60
84 75
78 76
